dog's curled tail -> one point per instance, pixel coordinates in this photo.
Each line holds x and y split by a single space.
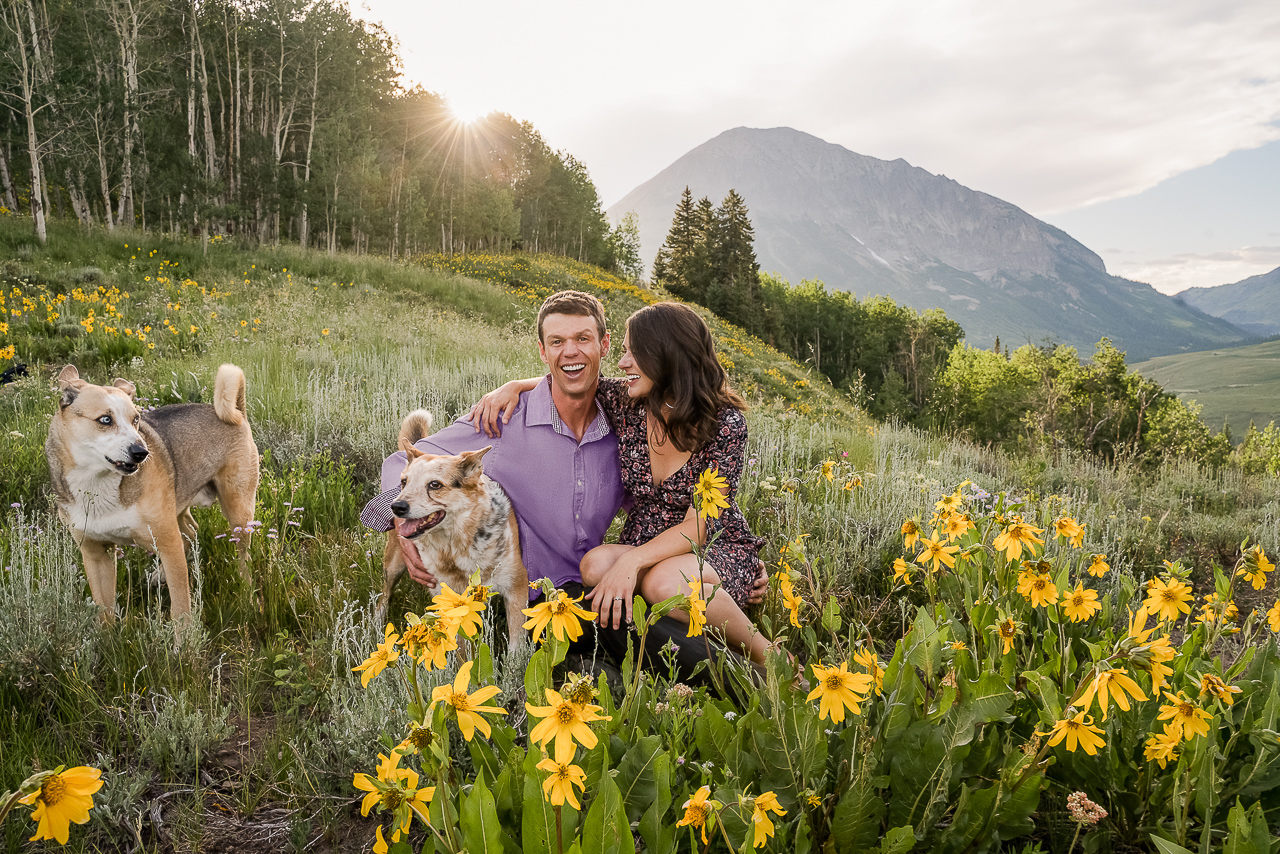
228 395
416 425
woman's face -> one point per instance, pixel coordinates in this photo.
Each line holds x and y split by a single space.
638 385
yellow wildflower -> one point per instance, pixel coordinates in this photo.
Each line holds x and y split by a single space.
837 689
1077 731
386 654
1080 604
1168 599
711 494
699 812
1015 537
558 787
467 707
64 797
562 614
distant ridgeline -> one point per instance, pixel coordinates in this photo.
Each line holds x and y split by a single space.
270 123
871 226
901 364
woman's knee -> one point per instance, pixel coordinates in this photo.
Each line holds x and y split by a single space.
596 563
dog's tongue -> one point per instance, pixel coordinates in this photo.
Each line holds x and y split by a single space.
410 528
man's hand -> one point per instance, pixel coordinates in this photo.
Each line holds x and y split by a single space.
417 571
494 410
760 586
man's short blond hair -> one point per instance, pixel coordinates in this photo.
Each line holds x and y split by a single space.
575 304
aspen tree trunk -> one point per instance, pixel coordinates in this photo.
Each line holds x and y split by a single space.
42 69
303 225
6 180
124 20
12 21
202 70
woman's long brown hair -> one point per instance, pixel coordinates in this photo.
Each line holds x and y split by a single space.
673 347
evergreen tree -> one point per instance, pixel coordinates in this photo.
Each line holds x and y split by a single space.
733 290
672 264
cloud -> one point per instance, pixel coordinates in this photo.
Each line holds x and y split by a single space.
1198 270
1049 106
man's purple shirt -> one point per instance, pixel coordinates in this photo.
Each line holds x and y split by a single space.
565 492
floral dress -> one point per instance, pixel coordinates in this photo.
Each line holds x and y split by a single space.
654 508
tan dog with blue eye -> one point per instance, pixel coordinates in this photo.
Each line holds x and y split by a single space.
122 476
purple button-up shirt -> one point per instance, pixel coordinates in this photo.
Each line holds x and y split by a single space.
565 492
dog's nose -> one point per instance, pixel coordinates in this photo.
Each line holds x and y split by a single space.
138 452
400 507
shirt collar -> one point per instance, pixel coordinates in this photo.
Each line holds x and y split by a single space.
541 410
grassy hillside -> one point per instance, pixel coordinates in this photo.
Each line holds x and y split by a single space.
1234 385
246 737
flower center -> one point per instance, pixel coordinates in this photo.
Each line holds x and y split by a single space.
834 683
565 713
392 799
460 702
697 814
558 608
562 772
52 790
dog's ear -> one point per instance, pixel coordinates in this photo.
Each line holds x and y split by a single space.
126 387
407 446
470 466
69 385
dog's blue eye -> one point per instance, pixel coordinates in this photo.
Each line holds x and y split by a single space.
105 420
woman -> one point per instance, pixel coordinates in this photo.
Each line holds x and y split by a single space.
676 417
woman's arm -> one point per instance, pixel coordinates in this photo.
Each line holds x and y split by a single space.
612 597
500 402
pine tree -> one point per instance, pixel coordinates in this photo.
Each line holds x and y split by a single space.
672 264
733 290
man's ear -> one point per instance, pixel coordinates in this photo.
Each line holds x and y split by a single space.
604 345
470 468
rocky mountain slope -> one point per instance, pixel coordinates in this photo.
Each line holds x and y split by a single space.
873 226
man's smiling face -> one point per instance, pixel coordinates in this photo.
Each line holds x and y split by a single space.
572 349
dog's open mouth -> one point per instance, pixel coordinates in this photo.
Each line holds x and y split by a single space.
410 528
123 467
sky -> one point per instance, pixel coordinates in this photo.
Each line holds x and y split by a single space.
1147 129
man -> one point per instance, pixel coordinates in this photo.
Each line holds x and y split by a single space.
557 459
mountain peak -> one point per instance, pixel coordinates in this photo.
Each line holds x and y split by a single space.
871 226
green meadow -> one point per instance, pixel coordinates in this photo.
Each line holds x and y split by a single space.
976 716
1235 385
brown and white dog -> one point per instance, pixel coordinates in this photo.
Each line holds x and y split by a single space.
125 477
461 522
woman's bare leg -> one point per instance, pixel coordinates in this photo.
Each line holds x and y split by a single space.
672 576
